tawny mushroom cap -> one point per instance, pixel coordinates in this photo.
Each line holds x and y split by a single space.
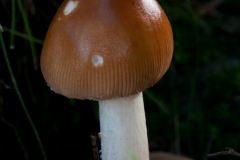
106 49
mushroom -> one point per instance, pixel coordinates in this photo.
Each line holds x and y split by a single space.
110 51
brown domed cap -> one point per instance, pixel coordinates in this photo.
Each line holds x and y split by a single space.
106 48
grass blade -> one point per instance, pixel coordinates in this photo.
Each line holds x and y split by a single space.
20 96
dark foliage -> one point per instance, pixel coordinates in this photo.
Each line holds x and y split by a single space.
194 110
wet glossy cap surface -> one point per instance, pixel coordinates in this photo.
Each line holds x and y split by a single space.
106 48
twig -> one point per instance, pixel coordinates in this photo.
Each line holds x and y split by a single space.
228 152
5 85
1 28
95 147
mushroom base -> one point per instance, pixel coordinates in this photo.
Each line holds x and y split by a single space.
123 129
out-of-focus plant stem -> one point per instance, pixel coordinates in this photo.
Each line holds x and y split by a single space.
12 24
20 96
193 80
22 35
29 33
175 103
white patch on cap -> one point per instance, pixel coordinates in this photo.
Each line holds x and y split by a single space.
71 5
97 60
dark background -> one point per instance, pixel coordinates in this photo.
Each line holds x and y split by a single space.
193 110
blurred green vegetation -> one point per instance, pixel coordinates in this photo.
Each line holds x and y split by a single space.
193 110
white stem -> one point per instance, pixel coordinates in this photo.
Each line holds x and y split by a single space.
123 129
